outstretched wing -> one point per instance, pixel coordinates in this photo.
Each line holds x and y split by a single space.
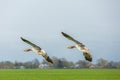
49 59
87 56
30 43
72 39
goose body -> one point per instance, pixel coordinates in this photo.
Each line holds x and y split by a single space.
80 46
36 49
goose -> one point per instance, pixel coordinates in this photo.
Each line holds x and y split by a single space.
37 49
80 46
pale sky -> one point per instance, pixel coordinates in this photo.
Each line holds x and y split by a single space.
96 23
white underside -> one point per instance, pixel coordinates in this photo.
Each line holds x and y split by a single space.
36 51
79 48
40 52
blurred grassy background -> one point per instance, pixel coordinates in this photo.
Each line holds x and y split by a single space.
60 74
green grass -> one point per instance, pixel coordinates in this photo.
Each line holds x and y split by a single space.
59 74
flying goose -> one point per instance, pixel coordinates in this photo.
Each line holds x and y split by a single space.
37 49
79 46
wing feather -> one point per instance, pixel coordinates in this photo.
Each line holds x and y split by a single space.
72 39
87 56
30 43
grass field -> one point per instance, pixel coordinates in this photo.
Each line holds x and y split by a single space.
59 74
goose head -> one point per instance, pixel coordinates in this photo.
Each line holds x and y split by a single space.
27 50
70 47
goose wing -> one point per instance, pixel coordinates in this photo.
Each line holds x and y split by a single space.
49 59
30 43
72 39
87 56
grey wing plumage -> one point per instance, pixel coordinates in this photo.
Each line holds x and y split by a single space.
71 38
49 59
30 43
87 56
